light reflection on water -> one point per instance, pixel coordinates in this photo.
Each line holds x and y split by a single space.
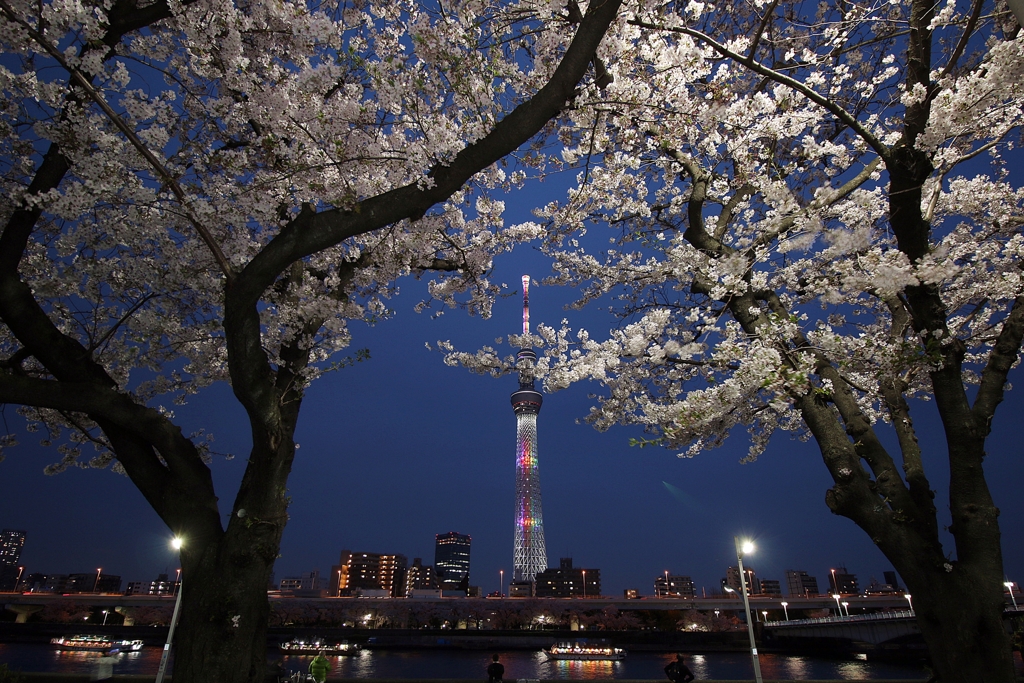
472 664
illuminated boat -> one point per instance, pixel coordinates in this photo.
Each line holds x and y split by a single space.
91 643
579 651
314 647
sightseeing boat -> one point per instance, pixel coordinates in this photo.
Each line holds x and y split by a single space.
93 643
313 647
582 651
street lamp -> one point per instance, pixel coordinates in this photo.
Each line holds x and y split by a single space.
835 586
765 613
664 592
105 613
784 610
501 583
1009 587
839 610
176 543
846 606
96 584
909 602
339 583
741 548
584 583
21 570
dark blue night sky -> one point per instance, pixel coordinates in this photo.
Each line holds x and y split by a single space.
401 447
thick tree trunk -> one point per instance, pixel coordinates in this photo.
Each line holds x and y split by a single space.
961 620
222 634
225 574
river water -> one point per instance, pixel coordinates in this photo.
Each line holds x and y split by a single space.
519 664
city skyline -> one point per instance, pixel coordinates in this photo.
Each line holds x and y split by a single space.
381 468
836 579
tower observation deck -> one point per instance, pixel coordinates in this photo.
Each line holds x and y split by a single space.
529 556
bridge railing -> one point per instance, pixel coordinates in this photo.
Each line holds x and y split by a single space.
876 616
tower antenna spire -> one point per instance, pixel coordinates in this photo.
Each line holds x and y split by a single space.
526 304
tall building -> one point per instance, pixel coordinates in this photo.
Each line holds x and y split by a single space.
368 571
732 580
771 587
392 574
529 556
11 543
420 577
798 583
568 582
669 586
842 582
451 560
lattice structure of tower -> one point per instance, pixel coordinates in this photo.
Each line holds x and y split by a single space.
529 556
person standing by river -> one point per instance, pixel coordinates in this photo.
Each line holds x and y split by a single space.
495 671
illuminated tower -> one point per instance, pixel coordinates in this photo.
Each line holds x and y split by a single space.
529 556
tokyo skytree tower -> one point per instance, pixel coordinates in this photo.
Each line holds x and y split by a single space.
529 556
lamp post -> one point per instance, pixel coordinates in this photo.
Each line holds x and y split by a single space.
785 611
835 586
501 583
105 613
765 613
664 592
584 584
176 544
909 602
1009 587
96 583
839 610
741 548
17 581
846 606
339 583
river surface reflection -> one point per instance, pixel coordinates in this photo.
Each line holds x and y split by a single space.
464 664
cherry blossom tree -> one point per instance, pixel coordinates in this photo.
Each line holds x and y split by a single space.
814 227
199 191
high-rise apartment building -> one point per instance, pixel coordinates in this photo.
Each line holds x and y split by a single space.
368 571
798 583
567 581
420 577
11 543
669 586
771 587
451 560
732 580
842 582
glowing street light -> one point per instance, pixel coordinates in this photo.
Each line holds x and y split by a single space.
584 583
1009 587
846 606
665 592
909 602
839 610
501 583
785 605
96 583
742 548
176 543
765 613
339 583
105 613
